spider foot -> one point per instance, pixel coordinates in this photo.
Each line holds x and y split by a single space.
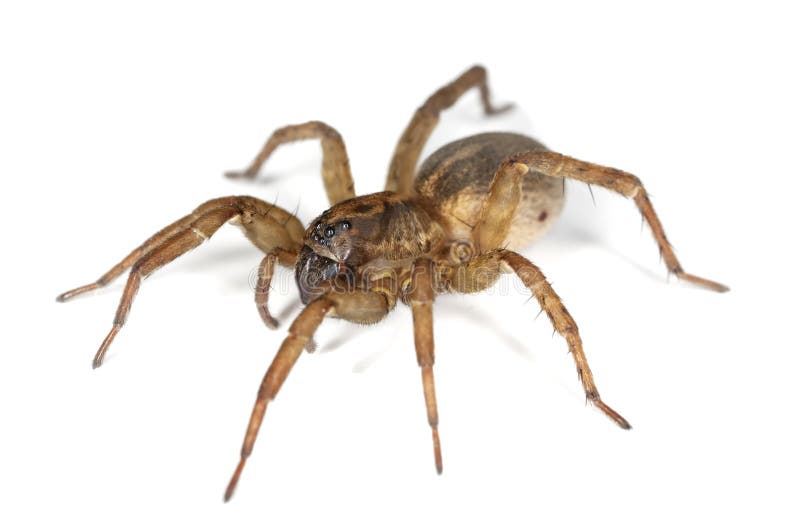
101 353
704 283
610 412
240 174
500 109
234 480
437 451
69 294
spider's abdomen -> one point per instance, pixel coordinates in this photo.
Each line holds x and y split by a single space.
456 179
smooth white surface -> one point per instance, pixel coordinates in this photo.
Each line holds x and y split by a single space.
115 121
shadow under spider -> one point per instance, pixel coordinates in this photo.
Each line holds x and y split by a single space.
573 236
487 322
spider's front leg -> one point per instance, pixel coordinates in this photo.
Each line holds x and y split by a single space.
483 270
360 306
420 297
269 227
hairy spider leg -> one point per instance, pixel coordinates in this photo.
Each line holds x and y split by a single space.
267 226
421 298
360 306
120 268
406 155
335 164
558 165
481 272
300 332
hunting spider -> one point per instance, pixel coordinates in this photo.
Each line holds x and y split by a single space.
451 226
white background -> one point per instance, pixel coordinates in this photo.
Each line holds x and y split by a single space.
115 121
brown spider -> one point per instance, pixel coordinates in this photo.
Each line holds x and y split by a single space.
450 228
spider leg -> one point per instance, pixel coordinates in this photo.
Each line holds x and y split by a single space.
119 268
267 226
359 306
335 163
484 269
406 154
301 330
558 165
499 206
421 300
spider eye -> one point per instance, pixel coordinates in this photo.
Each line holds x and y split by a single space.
329 231
346 225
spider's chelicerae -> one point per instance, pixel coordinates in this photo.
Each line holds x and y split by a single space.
451 226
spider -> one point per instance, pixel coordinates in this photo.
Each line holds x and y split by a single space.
450 226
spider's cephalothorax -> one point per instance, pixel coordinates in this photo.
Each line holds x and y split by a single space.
449 226
365 237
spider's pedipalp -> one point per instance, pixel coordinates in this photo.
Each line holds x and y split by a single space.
265 271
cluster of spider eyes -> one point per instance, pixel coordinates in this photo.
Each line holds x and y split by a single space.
329 231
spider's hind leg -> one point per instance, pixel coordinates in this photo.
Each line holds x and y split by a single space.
484 269
558 165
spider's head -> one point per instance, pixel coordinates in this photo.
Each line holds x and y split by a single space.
378 228
333 248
